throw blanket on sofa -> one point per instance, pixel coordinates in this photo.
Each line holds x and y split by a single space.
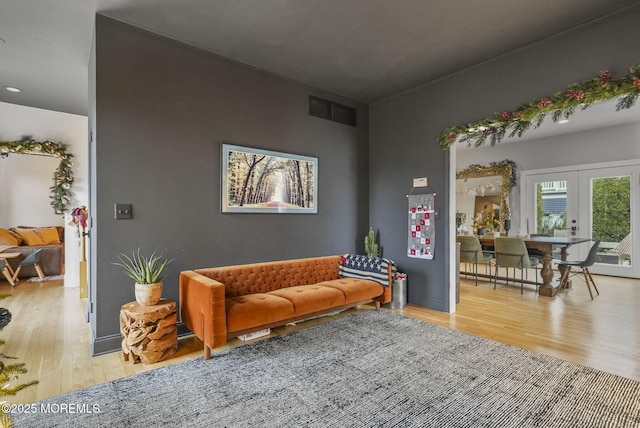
366 267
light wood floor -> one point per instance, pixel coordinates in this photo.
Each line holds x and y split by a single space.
48 331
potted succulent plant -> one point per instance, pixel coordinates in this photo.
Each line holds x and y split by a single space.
147 272
370 246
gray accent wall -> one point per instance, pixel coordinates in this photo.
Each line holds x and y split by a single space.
404 129
160 112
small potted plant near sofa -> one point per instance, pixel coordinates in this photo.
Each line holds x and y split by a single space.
147 272
370 246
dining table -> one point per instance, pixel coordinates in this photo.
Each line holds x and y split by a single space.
544 244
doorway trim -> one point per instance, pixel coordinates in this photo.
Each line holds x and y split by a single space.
453 261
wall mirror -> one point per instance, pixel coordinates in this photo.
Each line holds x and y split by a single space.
482 197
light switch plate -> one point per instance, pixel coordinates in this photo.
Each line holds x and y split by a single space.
123 211
420 182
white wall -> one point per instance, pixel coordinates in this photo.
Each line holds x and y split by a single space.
608 144
25 182
25 179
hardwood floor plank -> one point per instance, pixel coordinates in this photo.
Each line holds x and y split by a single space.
48 331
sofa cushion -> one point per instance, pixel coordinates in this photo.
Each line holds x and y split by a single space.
252 310
8 238
30 237
48 234
355 289
307 299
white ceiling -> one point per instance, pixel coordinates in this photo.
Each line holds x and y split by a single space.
365 50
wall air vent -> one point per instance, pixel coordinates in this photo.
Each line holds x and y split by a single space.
332 111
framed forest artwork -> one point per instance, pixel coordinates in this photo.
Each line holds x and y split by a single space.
263 181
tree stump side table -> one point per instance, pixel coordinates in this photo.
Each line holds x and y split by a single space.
149 333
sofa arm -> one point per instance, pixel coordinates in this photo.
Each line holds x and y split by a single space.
386 294
202 309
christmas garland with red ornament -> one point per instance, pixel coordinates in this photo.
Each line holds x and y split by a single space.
562 105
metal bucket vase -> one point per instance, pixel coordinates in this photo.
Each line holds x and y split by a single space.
148 294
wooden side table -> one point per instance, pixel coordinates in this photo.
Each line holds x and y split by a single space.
149 333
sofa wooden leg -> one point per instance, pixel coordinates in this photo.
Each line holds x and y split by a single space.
207 352
377 305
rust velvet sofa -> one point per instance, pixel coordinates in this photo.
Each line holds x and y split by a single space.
221 303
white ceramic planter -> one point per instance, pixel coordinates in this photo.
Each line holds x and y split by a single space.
148 294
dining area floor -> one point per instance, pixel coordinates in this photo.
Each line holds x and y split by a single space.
603 333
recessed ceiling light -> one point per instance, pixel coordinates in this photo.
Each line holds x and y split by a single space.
563 121
12 89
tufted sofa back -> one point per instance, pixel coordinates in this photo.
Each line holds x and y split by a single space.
240 280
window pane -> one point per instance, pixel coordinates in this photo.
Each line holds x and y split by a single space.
611 218
551 208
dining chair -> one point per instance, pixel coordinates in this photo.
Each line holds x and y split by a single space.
471 252
584 265
512 252
32 259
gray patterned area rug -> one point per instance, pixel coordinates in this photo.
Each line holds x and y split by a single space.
372 369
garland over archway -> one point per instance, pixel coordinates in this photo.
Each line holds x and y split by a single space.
61 190
561 105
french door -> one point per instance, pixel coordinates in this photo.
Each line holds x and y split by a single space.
597 202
